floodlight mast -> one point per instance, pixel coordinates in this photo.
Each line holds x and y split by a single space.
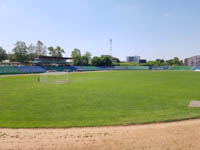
110 47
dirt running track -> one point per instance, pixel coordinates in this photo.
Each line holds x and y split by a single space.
183 135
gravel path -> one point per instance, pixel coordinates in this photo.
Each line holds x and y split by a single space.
182 135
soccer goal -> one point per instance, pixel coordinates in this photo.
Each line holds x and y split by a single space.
54 77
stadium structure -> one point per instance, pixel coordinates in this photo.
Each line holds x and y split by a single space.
44 64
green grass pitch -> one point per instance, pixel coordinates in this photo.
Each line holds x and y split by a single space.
99 98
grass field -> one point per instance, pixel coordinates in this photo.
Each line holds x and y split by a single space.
99 98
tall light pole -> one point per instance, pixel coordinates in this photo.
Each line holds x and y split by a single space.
110 47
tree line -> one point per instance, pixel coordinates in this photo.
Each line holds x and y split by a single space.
162 62
158 62
26 54
87 59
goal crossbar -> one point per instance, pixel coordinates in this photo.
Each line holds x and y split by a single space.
54 77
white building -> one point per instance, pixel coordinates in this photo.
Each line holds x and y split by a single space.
192 61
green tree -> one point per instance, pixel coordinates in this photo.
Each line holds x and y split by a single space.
84 60
3 54
20 51
41 49
77 61
88 55
76 57
159 62
151 63
116 60
31 50
175 61
76 52
106 60
96 61
60 51
11 57
56 52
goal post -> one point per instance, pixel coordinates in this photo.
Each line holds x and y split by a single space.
54 77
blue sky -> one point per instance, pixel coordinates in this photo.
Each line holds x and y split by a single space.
149 28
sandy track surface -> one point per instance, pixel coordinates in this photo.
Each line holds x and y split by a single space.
183 135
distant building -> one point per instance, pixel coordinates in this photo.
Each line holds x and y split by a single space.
133 59
192 61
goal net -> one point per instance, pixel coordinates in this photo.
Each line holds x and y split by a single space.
54 77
